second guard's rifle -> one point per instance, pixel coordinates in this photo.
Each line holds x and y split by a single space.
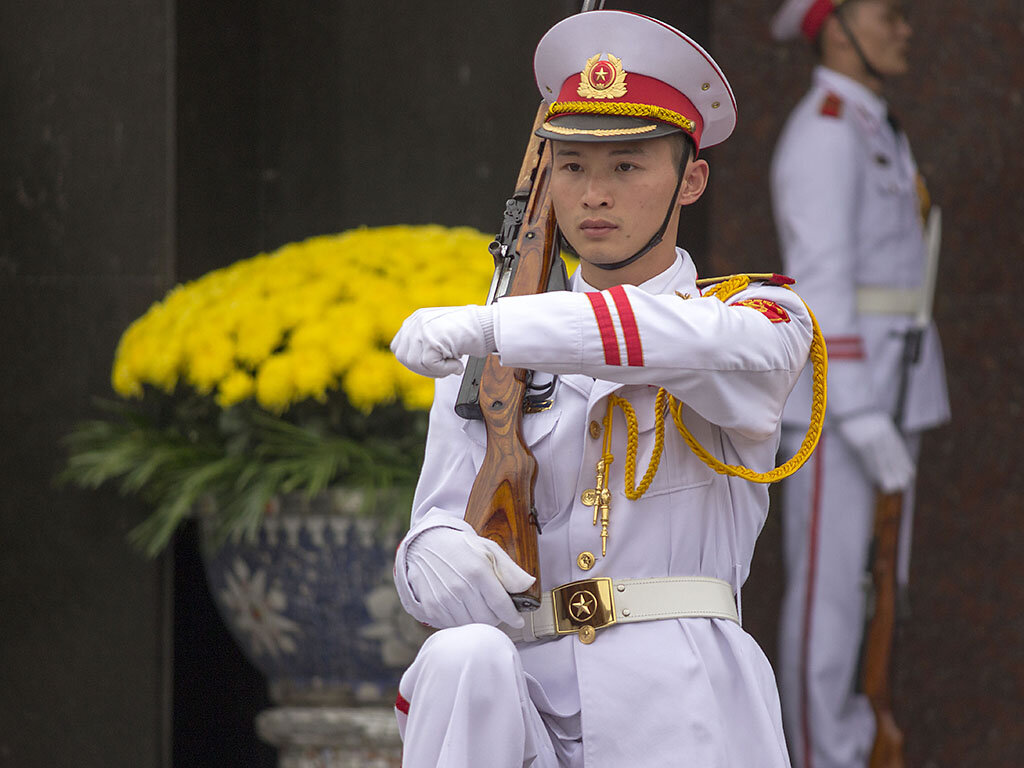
887 750
876 654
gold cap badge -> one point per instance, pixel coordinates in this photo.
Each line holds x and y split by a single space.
602 78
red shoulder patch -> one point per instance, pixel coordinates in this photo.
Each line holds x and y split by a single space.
769 309
402 704
832 106
777 279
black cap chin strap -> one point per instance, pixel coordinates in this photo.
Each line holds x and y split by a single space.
856 46
656 237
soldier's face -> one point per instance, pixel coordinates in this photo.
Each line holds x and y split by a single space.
611 197
883 33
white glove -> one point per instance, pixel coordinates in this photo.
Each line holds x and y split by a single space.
432 341
461 578
881 449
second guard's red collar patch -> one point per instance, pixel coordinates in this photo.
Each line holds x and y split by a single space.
832 106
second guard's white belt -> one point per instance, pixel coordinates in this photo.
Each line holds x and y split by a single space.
877 300
582 607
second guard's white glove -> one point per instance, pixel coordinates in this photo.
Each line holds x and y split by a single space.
460 578
881 449
433 341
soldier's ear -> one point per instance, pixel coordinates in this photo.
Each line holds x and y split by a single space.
832 37
695 181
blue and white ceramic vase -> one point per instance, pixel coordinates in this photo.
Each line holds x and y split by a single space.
311 601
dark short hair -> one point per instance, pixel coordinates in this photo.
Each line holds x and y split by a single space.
816 44
683 148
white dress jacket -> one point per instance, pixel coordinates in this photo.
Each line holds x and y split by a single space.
672 692
847 210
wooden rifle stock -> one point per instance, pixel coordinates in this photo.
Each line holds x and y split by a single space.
500 505
887 751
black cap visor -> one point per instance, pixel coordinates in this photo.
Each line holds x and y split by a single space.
603 128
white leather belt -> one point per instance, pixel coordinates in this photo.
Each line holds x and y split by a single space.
583 607
875 300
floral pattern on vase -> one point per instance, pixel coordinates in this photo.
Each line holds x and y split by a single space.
310 600
258 611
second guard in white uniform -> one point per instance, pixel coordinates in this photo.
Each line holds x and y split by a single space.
669 677
847 202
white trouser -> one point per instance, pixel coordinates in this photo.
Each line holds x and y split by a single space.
828 514
469 706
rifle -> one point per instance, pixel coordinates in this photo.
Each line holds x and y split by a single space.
500 505
527 261
887 751
876 656
525 253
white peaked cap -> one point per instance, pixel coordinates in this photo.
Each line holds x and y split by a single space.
615 75
801 17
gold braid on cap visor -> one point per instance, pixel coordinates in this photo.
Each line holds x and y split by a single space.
620 108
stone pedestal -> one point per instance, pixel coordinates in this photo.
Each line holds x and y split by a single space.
332 737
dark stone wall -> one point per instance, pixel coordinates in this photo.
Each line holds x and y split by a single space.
959 689
301 120
86 242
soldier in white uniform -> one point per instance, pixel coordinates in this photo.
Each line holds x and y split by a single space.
847 207
675 680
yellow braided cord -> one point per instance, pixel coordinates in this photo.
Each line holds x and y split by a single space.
632 441
624 109
819 360
608 457
704 282
598 131
729 287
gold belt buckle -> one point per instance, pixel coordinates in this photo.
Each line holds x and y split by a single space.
583 607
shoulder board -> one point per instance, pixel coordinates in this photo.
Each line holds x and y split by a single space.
832 105
771 278
724 288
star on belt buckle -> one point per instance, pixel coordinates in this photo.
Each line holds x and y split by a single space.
583 607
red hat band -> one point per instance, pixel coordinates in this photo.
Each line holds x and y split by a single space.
641 96
816 15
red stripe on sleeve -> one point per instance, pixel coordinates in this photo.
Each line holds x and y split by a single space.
808 623
634 350
604 324
401 704
845 348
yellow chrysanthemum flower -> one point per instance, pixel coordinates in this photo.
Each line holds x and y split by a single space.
417 392
311 373
234 388
210 358
373 381
258 335
275 384
311 317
